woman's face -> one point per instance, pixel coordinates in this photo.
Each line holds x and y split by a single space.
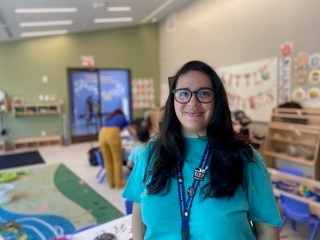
194 116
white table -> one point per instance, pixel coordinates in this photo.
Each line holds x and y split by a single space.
120 227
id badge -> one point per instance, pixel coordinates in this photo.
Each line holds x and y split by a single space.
199 174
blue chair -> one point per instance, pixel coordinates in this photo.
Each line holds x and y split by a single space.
298 211
128 205
102 171
291 170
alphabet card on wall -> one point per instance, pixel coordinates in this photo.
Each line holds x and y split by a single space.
252 87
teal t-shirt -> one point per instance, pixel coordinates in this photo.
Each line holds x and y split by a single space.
135 153
210 218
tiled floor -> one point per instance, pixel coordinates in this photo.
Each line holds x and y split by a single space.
75 157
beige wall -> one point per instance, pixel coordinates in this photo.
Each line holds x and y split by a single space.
228 32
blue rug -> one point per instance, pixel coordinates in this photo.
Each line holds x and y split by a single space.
50 201
42 227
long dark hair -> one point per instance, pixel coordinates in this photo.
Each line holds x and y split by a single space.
226 165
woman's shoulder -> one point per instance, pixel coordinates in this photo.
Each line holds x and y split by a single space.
251 156
255 165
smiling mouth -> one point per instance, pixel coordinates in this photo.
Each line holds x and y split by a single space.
194 114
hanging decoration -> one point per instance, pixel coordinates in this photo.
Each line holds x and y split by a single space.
314 77
314 61
255 77
285 65
314 94
252 87
300 68
258 100
298 94
305 85
143 93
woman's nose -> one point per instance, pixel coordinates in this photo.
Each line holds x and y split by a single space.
194 100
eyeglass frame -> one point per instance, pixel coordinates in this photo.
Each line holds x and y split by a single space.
194 92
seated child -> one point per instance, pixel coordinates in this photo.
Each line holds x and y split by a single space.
143 136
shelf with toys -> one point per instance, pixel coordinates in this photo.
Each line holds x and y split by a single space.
35 142
31 109
302 188
294 136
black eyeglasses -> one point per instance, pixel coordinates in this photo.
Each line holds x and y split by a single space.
183 95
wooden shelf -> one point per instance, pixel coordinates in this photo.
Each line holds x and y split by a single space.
294 127
36 109
35 142
294 136
298 142
289 158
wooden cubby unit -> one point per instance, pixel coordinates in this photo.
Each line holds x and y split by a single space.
294 136
35 109
35 142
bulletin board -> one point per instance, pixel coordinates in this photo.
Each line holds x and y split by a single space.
252 87
143 93
305 84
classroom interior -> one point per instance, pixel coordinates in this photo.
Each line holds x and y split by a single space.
266 52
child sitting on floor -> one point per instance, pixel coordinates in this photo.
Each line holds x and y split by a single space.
143 136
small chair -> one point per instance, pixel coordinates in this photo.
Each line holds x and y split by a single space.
128 205
298 211
291 170
102 171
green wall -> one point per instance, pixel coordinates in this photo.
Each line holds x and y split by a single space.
23 63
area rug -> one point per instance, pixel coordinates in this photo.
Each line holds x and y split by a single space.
20 159
51 200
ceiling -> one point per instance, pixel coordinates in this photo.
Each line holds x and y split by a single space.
82 15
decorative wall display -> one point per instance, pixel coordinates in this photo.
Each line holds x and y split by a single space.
252 87
285 68
300 68
305 86
143 93
298 94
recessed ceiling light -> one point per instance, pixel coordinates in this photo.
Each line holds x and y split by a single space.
43 33
45 10
108 20
118 9
49 23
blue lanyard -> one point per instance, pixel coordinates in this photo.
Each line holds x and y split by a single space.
185 205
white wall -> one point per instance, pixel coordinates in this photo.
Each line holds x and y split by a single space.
227 32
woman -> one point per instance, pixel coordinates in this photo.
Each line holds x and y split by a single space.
197 179
111 148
